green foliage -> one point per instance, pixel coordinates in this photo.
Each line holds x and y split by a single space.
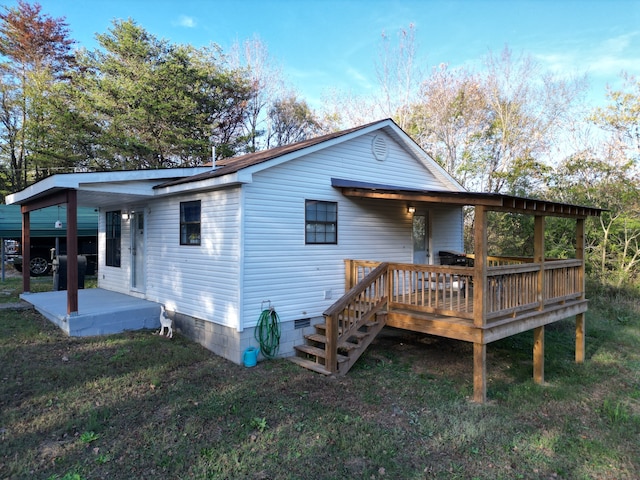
156 104
88 437
292 121
613 248
36 55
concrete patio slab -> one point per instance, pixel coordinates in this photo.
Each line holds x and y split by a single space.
100 312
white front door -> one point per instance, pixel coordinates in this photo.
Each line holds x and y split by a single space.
137 252
420 233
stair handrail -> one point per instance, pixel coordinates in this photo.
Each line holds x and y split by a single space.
331 314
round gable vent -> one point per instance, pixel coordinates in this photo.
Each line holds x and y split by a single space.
379 147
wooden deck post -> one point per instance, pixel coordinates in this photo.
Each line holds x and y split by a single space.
538 256
348 274
580 337
479 372
538 333
580 318
480 265
538 355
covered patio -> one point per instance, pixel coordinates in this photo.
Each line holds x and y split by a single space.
101 311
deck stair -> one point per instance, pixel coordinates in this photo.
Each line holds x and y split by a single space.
312 354
350 326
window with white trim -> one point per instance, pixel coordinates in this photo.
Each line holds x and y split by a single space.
190 215
321 222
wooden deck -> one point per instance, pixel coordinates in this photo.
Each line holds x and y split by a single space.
495 298
505 297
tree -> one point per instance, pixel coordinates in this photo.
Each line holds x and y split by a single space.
447 118
36 53
267 84
397 75
590 178
494 130
621 118
291 121
154 104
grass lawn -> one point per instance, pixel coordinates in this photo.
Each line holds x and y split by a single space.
137 405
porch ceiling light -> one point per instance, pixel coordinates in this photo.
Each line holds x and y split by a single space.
411 209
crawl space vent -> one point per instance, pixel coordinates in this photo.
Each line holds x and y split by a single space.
379 147
301 323
198 323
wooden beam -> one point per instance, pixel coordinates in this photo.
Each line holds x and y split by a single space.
479 265
581 323
479 373
72 252
26 252
538 256
538 355
57 198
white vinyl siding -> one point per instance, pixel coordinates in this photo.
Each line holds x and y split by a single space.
201 281
446 231
297 278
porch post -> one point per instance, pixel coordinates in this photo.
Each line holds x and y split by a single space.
479 302
72 252
480 265
479 372
538 333
538 355
538 257
26 250
580 318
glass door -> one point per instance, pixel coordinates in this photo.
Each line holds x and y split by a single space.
421 239
137 251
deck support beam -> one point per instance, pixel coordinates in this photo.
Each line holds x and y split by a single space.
581 323
580 337
538 355
480 266
479 372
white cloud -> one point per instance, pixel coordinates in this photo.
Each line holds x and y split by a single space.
186 21
608 58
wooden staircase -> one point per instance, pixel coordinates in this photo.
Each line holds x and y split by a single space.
312 355
350 326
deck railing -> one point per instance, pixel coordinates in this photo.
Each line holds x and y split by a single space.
354 309
511 285
442 290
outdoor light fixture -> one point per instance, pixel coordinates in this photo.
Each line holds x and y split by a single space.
58 223
125 215
411 209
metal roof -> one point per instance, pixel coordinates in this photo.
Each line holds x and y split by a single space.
493 201
43 222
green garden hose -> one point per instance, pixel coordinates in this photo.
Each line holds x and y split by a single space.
267 333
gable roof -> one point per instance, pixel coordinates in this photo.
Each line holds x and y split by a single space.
235 164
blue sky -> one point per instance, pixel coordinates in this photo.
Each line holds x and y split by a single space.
334 44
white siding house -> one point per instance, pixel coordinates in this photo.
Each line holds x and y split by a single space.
253 250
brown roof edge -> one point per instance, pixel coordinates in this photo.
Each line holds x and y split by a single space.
235 164
494 201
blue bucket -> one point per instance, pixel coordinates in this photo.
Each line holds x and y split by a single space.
250 357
